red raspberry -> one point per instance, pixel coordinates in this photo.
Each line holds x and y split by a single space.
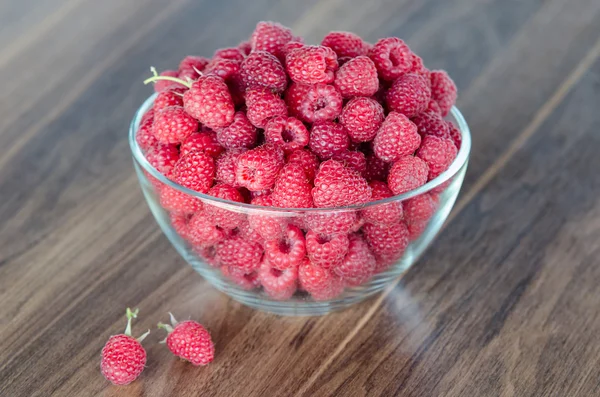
205 141
248 233
291 45
419 68
292 188
257 169
324 250
245 47
269 227
239 134
409 95
123 356
321 283
362 117
433 107
145 137
328 138
392 57
226 164
209 101
396 138
431 123
208 255
195 170
358 265
417 212
278 284
148 116
238 252
454 134
345 44
286 251
262 105
357 77
289 133
408 173
227 69
438 153
202 231
307 159
232 53
163 158
330 223
443 90
260 193
352 159
263 69
168 98
161 85
319 102
194 63
222 216
190 341
377 169
388 242
271 37
337 185
247 281
311 64
180 223
177 201
173 125
382 214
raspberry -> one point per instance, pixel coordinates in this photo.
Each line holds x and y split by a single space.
330 223
307 159
396 138
145 137
180 223
289 46
174 200
319 102
208 255
357 77
202 231
269 227
358 265
245 47
257 169
225 165
190 341
321 283
289 133
239 134
148 116
292 188
352 159
431 123
345 44
408 173
163 158
123 356
409 95
328 138
286 251
226 69
454 134
220 216
173 125
311 64
205 141
362 117
262 105
278 284
209 101
337 185
263 69
161 85
248 233
193 63
388 242
195 171
235 251
377 169
247 281
232 53
324 250
433 107
270 37
438 153
417 212
260 193
382 214
168 98
443 90
392 57
419 68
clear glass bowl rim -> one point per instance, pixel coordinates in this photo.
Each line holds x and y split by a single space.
460 160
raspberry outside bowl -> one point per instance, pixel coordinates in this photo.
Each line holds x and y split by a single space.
240 262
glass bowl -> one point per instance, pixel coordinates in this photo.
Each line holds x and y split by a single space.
237 260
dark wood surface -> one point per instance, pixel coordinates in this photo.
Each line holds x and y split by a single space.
505 303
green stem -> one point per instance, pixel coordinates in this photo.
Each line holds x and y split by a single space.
166 327
130 315
156 77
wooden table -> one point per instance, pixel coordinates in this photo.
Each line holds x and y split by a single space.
505 303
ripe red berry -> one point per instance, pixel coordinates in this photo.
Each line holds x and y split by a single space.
239 134
330 223
180 221
173 125
328 138
161 85
202 231
417 213
438 153
377 169
193 63
431 123
177 201
195 170
311 64
382 214
245 280
238 252
222 216
387 242
392 57
289 133
358 265
262 105
271 37
292 188
145 137
269 227
278 284
123 357
357 77
362 117
209 101
163 158
326 250
263 69
321 283
408 173
168 98
225 166
396 138
454 134
257 169
353 159
409 95
231 53
190 341
288 250
205 141
307 159
443 90
245 47
345 44
337 185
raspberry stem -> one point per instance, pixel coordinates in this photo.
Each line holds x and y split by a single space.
130 314
156 77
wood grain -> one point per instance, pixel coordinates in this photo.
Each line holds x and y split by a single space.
488 311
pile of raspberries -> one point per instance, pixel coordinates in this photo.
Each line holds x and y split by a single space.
275 122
